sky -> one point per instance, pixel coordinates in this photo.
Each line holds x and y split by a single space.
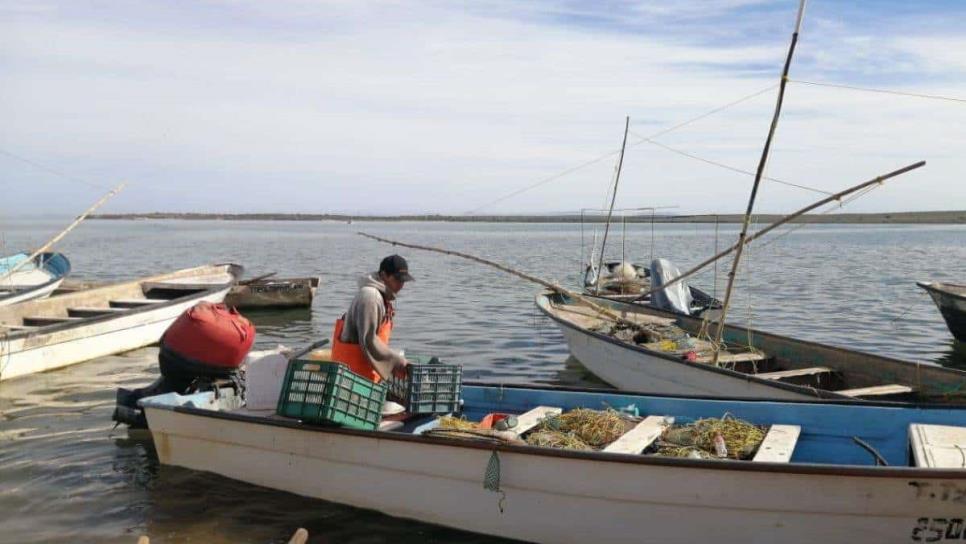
451 107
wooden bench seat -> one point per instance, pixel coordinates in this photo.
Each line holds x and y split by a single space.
135 302
43 321
92 312
878 390
778 445
637 440
793 373
532 418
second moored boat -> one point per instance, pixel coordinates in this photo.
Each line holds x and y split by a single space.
668 356
41 335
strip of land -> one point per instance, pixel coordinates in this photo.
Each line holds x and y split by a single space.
906 218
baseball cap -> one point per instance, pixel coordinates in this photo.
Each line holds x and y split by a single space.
397 266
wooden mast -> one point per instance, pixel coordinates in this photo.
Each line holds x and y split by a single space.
610 212
754 188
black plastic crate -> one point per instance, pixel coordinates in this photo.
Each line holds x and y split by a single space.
430 387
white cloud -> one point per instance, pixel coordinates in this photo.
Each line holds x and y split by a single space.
419 107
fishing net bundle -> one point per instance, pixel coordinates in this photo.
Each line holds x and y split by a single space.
579 429
697 440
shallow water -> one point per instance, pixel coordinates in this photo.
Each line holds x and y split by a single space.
67 476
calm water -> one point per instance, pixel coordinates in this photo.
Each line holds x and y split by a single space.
67 476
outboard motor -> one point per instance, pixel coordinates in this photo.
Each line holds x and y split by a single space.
676 298
201 351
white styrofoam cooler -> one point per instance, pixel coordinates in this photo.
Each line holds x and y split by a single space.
263 380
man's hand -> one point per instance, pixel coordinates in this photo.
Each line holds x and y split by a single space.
400 370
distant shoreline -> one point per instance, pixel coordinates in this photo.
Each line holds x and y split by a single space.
907 218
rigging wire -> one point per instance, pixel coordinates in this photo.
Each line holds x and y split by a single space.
52 171
662 132
726 166
882 91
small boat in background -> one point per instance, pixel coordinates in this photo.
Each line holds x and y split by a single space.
264 292
40 335
951 300
670 354
37 279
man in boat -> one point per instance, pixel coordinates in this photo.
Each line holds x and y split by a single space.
361 337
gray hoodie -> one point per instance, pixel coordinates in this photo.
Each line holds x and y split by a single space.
362 320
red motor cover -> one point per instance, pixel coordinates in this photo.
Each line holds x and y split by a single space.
211 334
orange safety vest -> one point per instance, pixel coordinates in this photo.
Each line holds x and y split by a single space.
352 355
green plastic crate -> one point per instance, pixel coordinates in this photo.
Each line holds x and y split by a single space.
326 392
430 387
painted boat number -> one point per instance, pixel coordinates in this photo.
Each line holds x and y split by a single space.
944 491
936 529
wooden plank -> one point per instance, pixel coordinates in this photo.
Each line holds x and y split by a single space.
938 446
733 357
92 312
180 286
778 445
782 374
640 437
878 390
42 321
135 302
531 419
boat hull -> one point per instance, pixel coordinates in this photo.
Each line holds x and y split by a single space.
288 293
632 370
559 498
41 292
69 342
952 306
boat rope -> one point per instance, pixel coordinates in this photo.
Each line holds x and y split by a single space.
772 129
879 460
834 206
881 91
610 210
491 478
50 170
601 311
788 218
725 166
583 165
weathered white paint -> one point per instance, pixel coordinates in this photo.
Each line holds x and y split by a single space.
47 348
554 499
638 371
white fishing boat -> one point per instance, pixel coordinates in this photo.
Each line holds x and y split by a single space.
37 279
810 480
757 365
41 335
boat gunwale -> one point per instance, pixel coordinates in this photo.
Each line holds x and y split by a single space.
864 471
232 269
824 394
931 288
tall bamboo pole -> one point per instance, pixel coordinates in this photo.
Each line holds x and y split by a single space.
784 220
64 232
754 188
610 212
